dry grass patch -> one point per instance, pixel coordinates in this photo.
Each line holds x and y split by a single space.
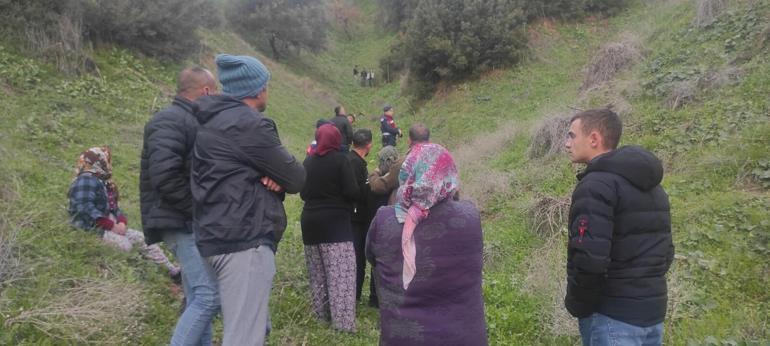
548 215
481 182
682 93
546 277
611 59
87 311
707 11
549 136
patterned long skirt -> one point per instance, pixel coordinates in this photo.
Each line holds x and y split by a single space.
332 271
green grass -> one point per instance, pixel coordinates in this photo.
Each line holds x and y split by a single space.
713 150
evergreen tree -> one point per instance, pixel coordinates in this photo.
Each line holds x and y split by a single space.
453 40
281 24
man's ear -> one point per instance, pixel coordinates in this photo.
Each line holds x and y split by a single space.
596 139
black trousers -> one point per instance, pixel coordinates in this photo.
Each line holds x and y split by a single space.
359 242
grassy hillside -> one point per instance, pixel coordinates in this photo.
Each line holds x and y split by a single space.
696 96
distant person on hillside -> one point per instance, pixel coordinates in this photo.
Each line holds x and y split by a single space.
388 127
94 206
340 120
355 71
427 256
385 182
329 194
362 145
240 175
364 73
620 244
166 202
370 78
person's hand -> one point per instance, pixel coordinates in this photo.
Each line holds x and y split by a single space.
119 228
400 134
271 185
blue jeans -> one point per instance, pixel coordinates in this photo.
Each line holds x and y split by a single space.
200 289
600 330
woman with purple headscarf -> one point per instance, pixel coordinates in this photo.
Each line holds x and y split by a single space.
427 255
329 192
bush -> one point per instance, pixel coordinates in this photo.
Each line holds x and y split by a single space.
156 28
549 136
611 59
451 40
281 25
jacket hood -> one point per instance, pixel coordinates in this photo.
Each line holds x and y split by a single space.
209 106
637 165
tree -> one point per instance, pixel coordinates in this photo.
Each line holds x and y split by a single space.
281 24
397 13
449 40
345 15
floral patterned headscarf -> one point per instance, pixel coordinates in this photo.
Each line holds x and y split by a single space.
98 161
428 176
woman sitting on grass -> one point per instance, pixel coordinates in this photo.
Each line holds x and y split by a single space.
93 206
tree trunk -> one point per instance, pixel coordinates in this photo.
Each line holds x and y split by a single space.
276 55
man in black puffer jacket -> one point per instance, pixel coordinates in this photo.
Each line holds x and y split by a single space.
240 172
166 202
620 245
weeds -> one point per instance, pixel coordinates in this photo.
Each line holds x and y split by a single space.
549 136
86 311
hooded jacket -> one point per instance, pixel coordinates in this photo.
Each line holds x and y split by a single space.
620 245
236 146
164 179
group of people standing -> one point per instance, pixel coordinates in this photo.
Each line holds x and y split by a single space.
214 176
364 76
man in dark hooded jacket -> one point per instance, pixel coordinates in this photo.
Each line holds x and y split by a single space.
166 202
240 172
620 244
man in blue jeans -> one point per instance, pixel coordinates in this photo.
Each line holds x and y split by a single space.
620 244
166 202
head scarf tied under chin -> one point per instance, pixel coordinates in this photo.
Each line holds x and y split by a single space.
328 138
98 161
428 176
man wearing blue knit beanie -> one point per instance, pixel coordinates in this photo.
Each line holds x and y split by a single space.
240 174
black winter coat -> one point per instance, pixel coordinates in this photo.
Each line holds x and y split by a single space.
236 146
343 124
620 244
164 178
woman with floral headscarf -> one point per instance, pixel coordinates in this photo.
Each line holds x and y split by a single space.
427 255
93 206
329 192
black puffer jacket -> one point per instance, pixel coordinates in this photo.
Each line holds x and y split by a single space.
164 179
236 146
620 244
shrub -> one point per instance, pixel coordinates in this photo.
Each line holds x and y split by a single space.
156 28
549 136
707 11
281 25
452 40
611 59
548 215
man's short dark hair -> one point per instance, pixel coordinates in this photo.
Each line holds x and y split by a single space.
362 137
605 121
192 78
419 133
337 110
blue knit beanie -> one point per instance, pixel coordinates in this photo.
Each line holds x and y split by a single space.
241 76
